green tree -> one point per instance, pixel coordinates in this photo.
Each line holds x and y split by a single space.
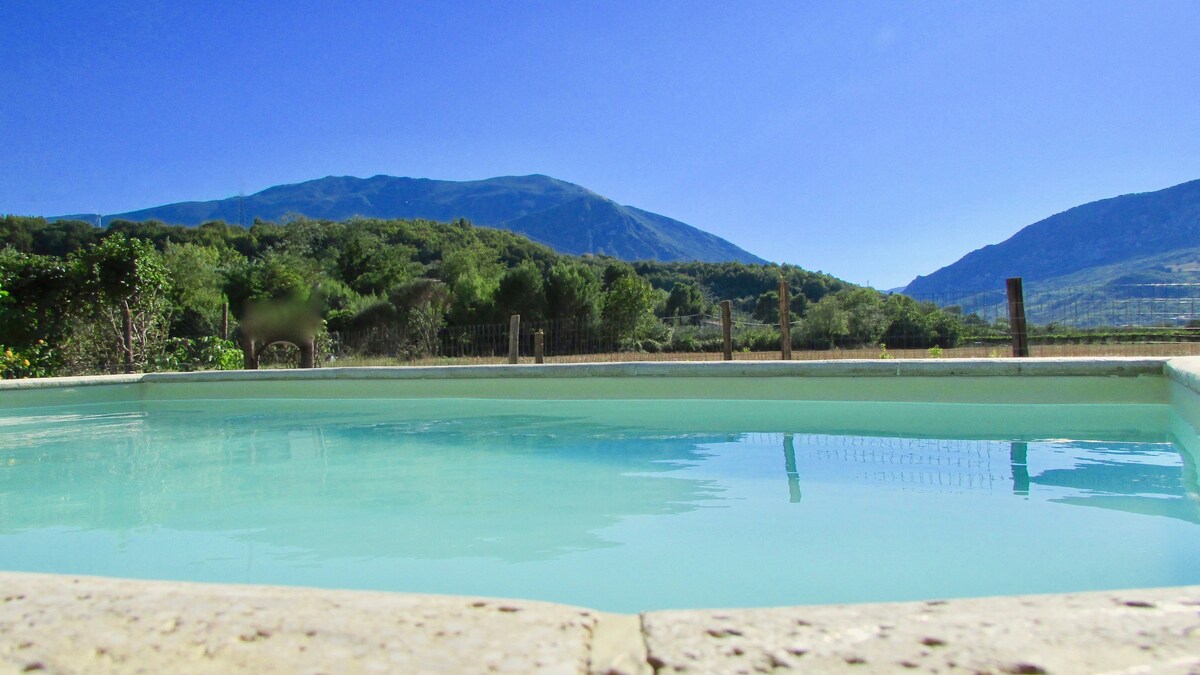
866 317
473 276
369 265
197 289
43 295
521 291
628 306
421 309
276 275
826 323
127 286
572 292
686 299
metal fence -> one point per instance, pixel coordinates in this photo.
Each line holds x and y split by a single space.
1112 321
1130 320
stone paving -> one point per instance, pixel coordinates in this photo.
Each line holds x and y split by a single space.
66 624
1140 631
62 624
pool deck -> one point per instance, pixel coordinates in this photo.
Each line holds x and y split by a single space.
65 624
61 623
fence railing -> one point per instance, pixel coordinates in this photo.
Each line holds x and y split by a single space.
1112 321
1132 320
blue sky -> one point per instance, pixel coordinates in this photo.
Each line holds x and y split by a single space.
873 141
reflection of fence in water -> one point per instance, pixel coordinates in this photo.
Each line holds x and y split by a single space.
958 465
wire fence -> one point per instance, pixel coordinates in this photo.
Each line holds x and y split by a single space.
1158 320
1113 320
1131 320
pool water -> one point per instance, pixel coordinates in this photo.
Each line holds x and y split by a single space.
617 505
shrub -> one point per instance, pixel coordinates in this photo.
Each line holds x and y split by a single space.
37 361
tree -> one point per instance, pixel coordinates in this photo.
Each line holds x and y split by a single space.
127 284
368 265
866 318
521 292
276 275
628 306
421 307
197 294
686 299
472 277
42 297
826 323
572 292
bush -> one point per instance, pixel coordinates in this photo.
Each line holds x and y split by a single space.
206 353
37 361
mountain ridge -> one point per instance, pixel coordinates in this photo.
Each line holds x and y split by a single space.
1114 237
562 215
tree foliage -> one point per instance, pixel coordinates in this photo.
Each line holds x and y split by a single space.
70 282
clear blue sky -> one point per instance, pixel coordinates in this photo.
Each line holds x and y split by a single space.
873 141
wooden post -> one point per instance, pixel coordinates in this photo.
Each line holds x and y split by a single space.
308 353
539 347
249 353
785 320
127 342
225 321
1016 317
727 329
514 337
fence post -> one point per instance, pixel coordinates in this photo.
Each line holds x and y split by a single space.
127 338
727 329
785 320
1016 317
514 337
539 347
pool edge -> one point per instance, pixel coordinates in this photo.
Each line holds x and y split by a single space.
63 623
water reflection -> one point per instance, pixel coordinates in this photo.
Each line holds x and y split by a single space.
511 481
354 484
1019 457
1151 478
789 467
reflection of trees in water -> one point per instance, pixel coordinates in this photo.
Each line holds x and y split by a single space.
515 487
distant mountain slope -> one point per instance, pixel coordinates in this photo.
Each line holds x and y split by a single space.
564 216
1147 236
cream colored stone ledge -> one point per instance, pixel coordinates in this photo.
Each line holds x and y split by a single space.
71 624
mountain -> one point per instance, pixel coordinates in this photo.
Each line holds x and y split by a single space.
562 215
1145 238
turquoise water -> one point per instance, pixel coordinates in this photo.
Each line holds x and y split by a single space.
617 505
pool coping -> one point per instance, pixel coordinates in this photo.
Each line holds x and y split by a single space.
71 623
62 623
1183 369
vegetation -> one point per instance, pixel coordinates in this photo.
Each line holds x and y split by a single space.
148 296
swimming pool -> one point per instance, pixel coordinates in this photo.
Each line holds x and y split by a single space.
622 487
